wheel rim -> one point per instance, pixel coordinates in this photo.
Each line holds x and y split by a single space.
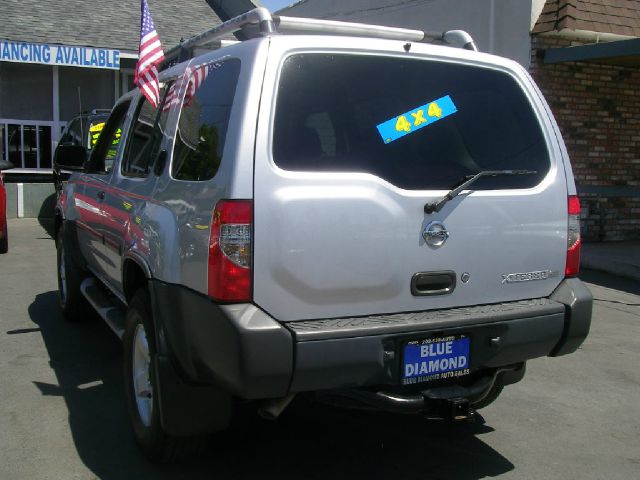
62 273
142 388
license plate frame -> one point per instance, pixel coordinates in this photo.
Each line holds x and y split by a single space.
435 358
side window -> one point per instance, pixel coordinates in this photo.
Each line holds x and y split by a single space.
72 135
106 148
204 119
146 133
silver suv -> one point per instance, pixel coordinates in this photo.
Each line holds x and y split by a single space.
356 212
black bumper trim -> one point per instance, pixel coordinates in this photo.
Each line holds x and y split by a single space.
579 302
354 362
306 330
243 350
247 353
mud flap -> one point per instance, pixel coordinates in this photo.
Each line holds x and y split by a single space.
185 409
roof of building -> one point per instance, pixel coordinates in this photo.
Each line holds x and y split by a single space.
620 17
107 23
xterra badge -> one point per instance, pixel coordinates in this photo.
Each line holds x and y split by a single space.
528 276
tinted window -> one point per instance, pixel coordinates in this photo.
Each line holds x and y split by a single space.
95 126
144 138
204 119
73 134
470 119
83 131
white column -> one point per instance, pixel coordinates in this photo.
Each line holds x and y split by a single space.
20 191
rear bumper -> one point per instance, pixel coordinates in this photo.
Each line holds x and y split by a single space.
243 349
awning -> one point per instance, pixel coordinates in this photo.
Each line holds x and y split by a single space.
623 52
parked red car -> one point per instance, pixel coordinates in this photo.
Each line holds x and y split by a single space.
4 239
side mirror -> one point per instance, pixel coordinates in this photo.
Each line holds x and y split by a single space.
70 157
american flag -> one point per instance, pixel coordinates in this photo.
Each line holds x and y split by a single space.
193 78
150 55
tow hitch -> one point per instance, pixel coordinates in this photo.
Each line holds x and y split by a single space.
460 409
454 410
451 402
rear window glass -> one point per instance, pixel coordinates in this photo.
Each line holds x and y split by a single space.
417 124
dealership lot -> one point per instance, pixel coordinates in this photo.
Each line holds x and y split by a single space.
63 414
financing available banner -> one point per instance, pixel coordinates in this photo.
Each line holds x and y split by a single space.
64 55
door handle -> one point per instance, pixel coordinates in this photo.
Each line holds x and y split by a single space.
100 195
433 283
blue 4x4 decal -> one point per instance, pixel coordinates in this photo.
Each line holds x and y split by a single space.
417 118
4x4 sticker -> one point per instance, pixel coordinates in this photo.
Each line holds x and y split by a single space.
417 118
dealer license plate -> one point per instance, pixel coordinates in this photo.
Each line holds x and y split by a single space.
435 359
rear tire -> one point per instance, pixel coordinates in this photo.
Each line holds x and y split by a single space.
4 244
140 382
72 303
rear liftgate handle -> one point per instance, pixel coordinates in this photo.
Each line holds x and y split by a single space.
433 283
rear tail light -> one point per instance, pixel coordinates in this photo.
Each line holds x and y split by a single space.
573 238
229 271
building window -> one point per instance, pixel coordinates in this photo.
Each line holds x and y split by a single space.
84 89
27 145
26 92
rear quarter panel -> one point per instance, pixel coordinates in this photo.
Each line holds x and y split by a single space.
182 210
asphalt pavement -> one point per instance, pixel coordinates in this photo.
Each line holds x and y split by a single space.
62 410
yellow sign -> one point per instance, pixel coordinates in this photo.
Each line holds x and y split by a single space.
96 129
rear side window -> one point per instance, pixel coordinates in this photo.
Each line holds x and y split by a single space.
204 118
417 124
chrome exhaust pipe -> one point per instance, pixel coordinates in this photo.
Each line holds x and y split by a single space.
273 408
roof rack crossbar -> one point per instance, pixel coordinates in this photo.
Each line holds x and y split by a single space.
258 16
268 24
314 25
457 38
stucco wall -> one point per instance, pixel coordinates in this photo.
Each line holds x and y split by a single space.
497 26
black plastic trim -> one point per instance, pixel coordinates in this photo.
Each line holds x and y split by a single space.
353 362
307 330
579 303
187 409
249 354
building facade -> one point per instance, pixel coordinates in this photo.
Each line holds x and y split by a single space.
60 58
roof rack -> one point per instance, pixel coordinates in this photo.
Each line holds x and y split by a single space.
261 22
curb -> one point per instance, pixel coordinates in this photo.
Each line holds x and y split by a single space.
611 265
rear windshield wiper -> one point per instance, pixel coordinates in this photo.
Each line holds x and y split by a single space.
437 205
